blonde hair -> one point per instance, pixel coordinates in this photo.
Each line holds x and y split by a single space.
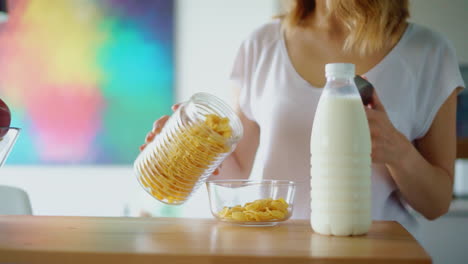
371 24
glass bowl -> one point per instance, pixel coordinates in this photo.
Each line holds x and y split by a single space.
251 202
8 137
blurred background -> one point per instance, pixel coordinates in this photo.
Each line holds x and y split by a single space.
85 79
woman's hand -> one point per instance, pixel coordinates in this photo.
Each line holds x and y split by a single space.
388 144
423 174
157 127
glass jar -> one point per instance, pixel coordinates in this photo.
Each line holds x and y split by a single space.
195 140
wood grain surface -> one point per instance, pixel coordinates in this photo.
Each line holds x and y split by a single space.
51 239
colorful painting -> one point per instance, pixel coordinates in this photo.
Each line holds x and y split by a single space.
85 79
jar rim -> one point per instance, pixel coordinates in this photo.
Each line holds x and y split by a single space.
220 107
237 182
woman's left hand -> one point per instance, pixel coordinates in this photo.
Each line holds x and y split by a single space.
388 144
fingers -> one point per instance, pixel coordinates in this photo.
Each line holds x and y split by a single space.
377 155
175 107
376 103
159 124
375 133
216 171
372 114
150 136
157 127
376 122
142 147
381 141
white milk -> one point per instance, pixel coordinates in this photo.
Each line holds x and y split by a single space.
340 165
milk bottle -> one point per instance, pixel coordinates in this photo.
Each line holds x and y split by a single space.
340 157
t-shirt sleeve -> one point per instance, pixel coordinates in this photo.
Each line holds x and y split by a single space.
241 76
442 78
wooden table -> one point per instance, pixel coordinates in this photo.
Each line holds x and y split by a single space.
49 239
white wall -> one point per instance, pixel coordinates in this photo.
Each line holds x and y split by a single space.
209 32
447 17
74 190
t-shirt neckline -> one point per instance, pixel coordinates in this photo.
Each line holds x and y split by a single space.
386 58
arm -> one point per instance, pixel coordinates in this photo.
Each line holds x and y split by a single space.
239 164
424 172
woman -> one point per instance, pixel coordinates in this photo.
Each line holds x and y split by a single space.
280 67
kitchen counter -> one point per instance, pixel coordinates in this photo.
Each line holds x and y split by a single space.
51 239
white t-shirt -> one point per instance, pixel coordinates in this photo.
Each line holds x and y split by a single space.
413 81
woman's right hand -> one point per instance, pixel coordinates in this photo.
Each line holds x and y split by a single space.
157 127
